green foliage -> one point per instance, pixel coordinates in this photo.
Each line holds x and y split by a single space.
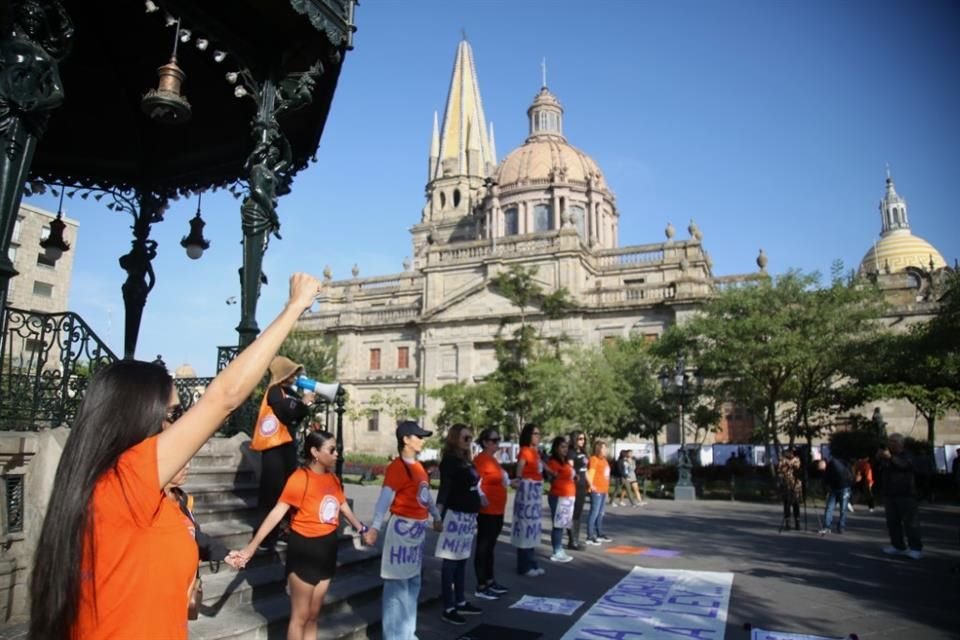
479 404
317 355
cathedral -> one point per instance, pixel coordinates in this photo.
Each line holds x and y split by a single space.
546 205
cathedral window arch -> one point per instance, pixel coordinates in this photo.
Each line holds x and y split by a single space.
541 218
456 198
578 214
511 222
443 200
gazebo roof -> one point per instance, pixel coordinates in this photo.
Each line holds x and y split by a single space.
100 136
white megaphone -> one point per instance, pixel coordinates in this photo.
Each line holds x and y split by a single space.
326 390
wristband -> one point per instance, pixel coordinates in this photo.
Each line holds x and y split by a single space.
363 528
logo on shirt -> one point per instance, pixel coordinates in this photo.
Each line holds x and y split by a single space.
329 508
423 494
269 425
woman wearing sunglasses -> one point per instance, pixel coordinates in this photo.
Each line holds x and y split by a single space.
113 559
493 488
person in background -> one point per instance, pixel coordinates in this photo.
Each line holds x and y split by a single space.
598 474
563 493
459 492
493 488
863 476
316 495
839 480
619 493
791 487
577 452
113 559
900 500
529 470
281 410
406 496
633 486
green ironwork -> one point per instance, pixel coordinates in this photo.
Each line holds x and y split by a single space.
46 360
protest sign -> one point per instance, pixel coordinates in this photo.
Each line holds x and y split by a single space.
456 539
525 533
761 634
563 518
558 606
657 604
402 548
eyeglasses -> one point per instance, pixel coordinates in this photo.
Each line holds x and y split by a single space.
493 439
174 413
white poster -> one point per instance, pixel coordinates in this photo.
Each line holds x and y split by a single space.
526 515
761 634
402 548
563 517
657 604
559 606
456 540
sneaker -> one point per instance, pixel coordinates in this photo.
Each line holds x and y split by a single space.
915 554
280 545
840 531
560 557
264 548
593 541
532 573
604 538
575 547
468 609
497 588
540 571
450 616
824 531
870 509
891 550
485 594
850 507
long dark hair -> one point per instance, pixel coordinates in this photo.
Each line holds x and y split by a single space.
451 446
313 440
555 448
526 436
574 438
124 404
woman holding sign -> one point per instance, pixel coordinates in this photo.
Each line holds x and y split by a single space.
598 474
493 488
315 493
563 493
459 501
526 504
406 496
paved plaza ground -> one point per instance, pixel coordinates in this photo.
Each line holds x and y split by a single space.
790 581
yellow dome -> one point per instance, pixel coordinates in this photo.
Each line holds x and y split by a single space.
546 158
898 250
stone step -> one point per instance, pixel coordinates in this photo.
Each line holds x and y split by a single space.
212 492
340 619
221 474
231 589
228 507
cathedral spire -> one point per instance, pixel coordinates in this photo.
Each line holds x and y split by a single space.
434 149
893 209
464 112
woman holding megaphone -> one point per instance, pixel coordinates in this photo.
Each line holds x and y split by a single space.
281 411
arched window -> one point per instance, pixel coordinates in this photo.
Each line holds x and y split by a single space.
579 219
541 218
511 222
443 200
456 198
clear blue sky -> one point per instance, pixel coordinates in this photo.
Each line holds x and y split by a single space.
770 123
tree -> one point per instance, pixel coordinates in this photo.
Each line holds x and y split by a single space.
636 365
473 404
317 355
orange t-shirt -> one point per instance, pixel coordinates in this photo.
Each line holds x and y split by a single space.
317 498
491 483
599 474
411 486
144 555
562 485
531 463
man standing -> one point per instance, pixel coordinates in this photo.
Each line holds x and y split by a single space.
900 500
839 480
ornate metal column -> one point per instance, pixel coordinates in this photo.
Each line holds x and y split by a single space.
137 264
37 36
269 167
339 407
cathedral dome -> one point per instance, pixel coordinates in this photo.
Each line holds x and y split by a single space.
900 249
546 156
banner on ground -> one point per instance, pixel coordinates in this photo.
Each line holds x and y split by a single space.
657 604
525 533
402 548
560 606
762 634
456 540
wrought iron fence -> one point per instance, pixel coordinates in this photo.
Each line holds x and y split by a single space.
46 360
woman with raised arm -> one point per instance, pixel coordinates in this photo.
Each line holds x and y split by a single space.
316 495
113 559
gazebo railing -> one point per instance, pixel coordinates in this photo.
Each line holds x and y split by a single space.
46 360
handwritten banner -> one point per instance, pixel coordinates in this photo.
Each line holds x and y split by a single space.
526 515
402 548
656 604
559 606
563 517
456 540
761 634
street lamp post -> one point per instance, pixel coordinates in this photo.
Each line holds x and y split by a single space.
678 383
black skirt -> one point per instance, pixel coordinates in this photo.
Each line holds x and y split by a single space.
312 559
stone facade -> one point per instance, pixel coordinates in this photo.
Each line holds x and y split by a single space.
42 285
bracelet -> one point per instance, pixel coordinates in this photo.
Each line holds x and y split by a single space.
363 528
